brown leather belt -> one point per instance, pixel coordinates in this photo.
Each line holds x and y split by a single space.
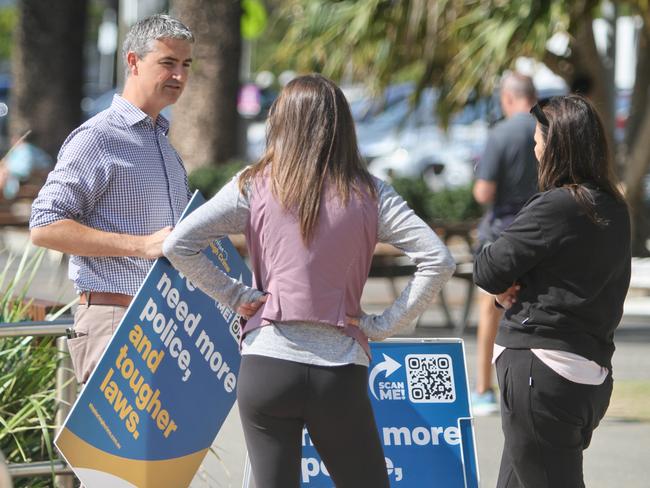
104 298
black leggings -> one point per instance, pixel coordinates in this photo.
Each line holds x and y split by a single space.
277 398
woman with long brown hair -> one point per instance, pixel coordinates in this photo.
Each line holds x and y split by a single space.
311 214
561 270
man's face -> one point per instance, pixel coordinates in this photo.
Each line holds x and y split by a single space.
162 73
506 102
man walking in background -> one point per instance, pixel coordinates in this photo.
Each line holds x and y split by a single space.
506 177
118 188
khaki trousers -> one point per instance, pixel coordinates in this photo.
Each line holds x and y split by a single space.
94 326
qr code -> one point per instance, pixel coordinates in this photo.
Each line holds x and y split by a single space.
430 378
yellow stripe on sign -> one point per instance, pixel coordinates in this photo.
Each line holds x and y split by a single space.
176 472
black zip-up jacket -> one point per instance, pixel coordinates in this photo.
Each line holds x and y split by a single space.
574 274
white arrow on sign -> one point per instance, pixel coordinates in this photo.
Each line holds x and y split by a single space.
389 365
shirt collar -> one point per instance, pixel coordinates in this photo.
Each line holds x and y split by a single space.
163 123
132 115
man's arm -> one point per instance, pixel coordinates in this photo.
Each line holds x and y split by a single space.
489 168
484 191
73 189
72 237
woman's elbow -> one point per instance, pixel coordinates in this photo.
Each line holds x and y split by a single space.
450 266
479 277
487 281
170 247
447 266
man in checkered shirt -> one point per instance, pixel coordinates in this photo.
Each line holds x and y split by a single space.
118 187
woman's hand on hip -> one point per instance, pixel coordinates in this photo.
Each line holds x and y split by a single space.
354 321
247 310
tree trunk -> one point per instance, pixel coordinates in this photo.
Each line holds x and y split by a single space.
585 63
641 85
47 70
637 135
637 167
591 63
205 120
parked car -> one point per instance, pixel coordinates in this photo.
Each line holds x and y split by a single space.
406 141
409 142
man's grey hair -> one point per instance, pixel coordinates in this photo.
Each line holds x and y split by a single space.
141 36
521 86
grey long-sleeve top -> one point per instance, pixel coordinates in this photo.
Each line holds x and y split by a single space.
228 212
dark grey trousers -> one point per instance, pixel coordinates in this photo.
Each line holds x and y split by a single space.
277 398
547 422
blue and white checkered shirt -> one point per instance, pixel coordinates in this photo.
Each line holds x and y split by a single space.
117 173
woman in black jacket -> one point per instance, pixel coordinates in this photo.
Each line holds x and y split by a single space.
562 270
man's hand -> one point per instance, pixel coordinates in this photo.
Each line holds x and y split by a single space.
508 297
247 310
152 244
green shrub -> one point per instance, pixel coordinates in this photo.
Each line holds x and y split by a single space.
452 205
209 179
27 377
416 193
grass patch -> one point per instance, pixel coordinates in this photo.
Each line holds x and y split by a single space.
630 400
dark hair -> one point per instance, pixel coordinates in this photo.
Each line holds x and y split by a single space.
310 140
576 153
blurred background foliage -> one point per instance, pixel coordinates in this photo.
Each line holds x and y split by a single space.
463 46
443 207
209 179
8 17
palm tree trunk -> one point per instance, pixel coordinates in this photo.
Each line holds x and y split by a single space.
638 165
205 119
47 70
591 63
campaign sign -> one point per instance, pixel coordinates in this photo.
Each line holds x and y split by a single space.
164 385
420 398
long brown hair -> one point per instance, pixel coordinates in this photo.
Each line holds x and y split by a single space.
311 140
576 152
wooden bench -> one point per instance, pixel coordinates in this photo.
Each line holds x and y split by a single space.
389 263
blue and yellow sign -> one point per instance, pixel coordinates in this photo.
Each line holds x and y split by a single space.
163 387
420 398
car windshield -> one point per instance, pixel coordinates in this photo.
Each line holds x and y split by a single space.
400 112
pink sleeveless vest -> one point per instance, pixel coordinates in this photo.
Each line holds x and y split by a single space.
322 282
